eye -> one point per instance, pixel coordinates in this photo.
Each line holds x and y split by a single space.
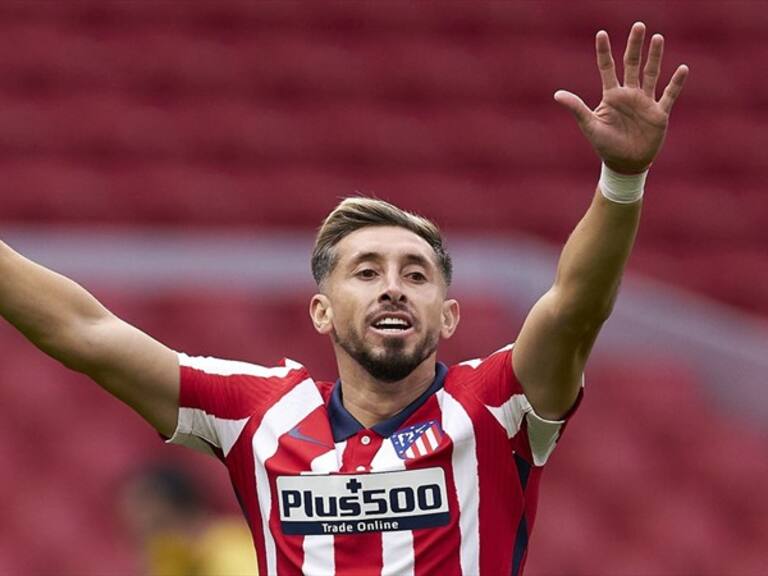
366 274
417 276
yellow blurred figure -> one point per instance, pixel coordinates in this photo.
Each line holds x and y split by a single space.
179 534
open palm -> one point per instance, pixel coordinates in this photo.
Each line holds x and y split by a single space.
628 127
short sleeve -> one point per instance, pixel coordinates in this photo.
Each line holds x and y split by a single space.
497 387
218 397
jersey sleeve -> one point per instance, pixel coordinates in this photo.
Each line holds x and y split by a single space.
497 387
217 399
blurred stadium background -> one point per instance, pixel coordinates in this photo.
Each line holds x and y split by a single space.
176 157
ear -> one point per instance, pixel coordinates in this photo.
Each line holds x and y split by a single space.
321 313
451 316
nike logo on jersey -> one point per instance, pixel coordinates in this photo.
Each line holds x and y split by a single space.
296 433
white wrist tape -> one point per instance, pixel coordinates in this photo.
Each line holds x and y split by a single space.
621 188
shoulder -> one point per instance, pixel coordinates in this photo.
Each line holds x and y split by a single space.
211 375
497 364
491 378
495 361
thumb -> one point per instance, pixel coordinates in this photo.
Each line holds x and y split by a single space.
574 104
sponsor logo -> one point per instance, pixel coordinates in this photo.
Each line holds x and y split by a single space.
418 440
350 504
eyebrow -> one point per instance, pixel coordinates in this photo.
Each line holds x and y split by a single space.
410 258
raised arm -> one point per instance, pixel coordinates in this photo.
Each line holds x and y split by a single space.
67 323
627 130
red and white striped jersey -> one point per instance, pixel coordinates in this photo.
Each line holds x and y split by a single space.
447 486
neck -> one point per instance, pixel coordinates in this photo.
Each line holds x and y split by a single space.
372 401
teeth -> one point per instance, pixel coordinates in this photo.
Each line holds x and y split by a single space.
393 321
392 324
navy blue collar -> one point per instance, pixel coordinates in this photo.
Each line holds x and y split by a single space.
344 425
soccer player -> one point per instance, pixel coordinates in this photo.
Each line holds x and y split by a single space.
405 465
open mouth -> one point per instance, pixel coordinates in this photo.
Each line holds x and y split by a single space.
392 325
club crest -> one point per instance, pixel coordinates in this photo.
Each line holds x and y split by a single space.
417 440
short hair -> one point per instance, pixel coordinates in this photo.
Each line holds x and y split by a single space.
359 212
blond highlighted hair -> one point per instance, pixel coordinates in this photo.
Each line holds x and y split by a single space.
359 212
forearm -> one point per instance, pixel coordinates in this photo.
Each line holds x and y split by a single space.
626 130
592 262
48 308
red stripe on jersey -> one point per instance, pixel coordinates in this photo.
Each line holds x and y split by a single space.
499 514
290 554
436 550
358 554
310 438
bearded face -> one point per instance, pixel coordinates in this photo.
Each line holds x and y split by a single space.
388 358
384 303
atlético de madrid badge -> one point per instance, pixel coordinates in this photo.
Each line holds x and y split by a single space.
417 440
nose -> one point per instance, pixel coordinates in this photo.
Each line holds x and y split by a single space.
393 289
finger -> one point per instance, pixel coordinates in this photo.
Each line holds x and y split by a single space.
574 104
653 65
633 54
605 61
673 89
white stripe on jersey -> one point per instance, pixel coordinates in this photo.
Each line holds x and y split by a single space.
386 458
194 424
433 442
325 463
221 367
396 547
318 549
510 414
289 411
458 426
420 447
340 447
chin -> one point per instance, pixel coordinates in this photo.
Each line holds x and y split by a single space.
389 358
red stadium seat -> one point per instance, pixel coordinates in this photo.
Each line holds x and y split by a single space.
257 115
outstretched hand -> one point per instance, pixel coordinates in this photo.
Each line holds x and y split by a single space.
628 127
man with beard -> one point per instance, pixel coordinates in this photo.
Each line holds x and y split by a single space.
404 465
